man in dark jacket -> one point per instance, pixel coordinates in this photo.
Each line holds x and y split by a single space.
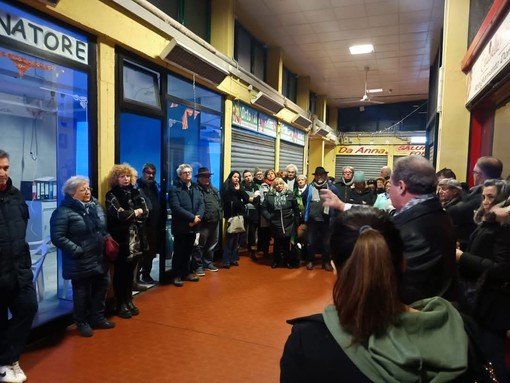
17 291
187 205
150 192
209 227
462 213
252 212
345 184
317 218
425 228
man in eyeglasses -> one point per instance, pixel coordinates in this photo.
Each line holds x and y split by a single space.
17 291
150 192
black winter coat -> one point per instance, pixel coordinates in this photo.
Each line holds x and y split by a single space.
367 197
150 193
15 261
429 250
123 224
234 201
282 218
462 214
488 252
185 204
79 232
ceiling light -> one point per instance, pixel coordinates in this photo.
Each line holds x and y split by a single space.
378 90
361 49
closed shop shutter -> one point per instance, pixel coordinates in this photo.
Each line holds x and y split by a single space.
251 150
371 165
291 154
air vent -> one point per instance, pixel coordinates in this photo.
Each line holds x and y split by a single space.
267 103
320 128
302 122
184 57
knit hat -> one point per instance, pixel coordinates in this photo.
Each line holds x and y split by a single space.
359 176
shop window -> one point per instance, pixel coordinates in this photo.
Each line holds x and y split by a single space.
45 129
140 85
193 14
249 52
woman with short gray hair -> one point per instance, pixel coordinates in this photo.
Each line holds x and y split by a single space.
78 228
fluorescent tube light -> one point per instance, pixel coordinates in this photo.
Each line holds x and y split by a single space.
378 90
361 49
418 140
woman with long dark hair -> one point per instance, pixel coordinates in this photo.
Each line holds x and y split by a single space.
368 334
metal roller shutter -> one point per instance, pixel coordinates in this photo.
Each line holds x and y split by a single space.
251 150
371 165
291 154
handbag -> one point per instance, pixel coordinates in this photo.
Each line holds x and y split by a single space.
235 224
111 249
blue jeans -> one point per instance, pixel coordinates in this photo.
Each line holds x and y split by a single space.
203 254
230 248
14 332
89 296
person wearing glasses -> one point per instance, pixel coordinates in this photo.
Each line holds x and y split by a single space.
126 211
345 184
187 205
78 228
148 187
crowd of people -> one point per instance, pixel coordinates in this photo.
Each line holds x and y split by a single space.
409 242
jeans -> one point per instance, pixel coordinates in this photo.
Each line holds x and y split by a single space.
230 248
203 254
89 295
14 332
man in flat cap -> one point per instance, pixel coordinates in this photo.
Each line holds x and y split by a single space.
317 218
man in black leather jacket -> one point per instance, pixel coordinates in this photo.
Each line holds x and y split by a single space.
425 228
17 291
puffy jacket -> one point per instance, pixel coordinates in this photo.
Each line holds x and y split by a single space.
185 203
79 231
15 261
281 214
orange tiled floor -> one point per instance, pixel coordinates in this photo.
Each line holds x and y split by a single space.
229 327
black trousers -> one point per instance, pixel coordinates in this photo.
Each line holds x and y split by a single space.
183 247
123 279
89 295
14 332
318 240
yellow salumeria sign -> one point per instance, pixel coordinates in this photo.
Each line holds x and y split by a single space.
381 150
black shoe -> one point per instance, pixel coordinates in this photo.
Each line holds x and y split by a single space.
84 329
235 263
139 287
124 312
147 279
309 266
226 266
274 265
104 324
134 310
327 266
288 266
190 278
253 255
177 282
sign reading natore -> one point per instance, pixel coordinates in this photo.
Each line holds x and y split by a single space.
38 36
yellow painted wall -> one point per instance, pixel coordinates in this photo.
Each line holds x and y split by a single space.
502 137
329 159
316 156
274 68
303 92
453 135
222 26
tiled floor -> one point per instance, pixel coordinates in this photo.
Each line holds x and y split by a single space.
229 327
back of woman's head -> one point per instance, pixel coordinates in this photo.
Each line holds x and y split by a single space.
366 249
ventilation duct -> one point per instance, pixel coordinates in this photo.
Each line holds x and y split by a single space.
53 3
320 128
302 122
267 103
194 62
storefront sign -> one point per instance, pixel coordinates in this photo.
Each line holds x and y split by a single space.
493 58
408 150
381 150
42 37
363 150
293 135
267 125
244 116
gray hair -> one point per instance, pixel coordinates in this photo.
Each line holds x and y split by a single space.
348 168
417 173
4 154
292 166
73 183
181 167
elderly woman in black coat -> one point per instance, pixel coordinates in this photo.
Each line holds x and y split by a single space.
78 228
280 208
126 211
